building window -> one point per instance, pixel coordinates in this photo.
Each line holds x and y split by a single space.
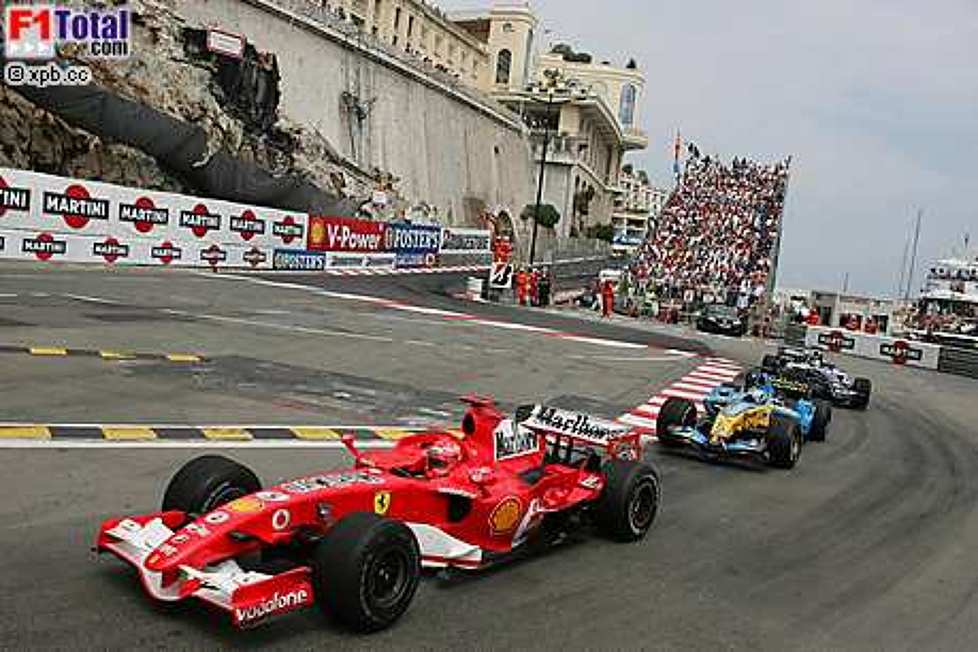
504 62
626 113
397 18
410 27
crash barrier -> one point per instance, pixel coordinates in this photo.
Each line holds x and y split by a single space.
50 218
955 360
877 347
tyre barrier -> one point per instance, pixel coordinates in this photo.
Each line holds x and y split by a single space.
958 361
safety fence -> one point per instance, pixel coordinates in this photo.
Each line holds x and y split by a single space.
49 218
895 350
877 347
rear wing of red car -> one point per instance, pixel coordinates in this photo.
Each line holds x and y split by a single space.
580 428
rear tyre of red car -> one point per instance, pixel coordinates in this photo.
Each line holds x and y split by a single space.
366 571
630 500
205 483
820 420
674 413
783 442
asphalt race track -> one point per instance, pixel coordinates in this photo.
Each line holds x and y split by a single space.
868 544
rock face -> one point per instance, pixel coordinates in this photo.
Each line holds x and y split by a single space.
32 139
165 74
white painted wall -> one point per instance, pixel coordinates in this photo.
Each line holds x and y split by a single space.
442 146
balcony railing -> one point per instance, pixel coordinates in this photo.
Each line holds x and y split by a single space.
636 137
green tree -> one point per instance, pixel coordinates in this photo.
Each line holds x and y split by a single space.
547 217
601 232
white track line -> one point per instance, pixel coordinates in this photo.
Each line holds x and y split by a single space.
461 317
280 327
88 299
425 311
615 358
709 377
719 371
601 342
647 411
197 426
157 443
694 386
633 420
679 393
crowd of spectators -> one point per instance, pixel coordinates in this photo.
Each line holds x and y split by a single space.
716 238
962 319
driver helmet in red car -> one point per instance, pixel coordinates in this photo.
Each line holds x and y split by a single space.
443 456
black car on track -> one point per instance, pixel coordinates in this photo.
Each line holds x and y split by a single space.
826 380
722 320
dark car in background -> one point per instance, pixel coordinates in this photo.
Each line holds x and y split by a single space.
722 320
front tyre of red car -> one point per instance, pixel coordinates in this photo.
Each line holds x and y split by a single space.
630 500
205 483
366 571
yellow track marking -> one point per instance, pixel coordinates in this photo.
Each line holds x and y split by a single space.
128 432
226 433
182 357
315 433
24 432
392 433
115 355
48 350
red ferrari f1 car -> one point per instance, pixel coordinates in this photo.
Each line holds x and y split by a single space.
354 542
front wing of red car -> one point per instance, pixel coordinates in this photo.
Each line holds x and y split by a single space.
249 598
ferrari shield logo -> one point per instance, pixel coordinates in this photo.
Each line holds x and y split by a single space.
382 502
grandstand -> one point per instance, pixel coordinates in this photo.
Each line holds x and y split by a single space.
719 235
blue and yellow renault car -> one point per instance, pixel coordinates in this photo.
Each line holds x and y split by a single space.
767 419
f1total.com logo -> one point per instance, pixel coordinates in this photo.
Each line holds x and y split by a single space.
33 31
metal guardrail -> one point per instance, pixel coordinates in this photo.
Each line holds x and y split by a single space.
962 362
